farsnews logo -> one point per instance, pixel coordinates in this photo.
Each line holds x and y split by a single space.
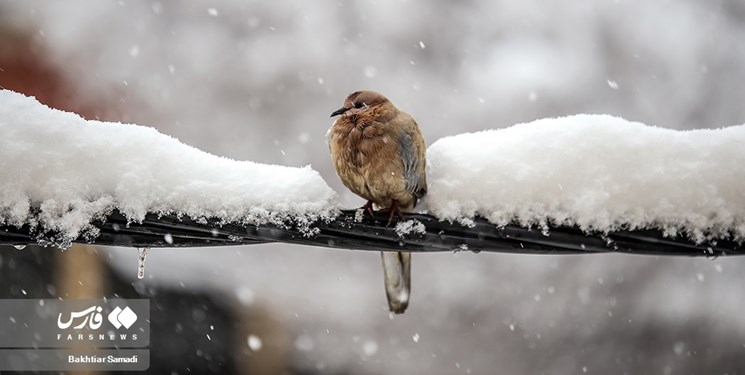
119 317
93 318
56 323
88 324
106 334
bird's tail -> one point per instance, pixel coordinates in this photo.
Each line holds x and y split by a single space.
397 277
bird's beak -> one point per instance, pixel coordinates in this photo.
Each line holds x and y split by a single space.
339 111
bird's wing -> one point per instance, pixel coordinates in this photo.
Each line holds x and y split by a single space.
412 151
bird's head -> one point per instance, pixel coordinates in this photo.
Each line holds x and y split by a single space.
366 104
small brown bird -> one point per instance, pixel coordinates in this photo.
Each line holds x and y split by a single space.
379 154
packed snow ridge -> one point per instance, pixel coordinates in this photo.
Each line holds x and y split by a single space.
598 172
59 172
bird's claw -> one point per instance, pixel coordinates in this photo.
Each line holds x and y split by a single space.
393 210
368 207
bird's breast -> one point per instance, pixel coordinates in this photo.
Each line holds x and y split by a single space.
354 148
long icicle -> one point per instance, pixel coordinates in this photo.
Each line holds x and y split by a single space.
142 255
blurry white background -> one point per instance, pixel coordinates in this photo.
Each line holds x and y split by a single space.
257 81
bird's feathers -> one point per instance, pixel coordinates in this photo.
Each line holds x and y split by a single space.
378 153
397 279
412 158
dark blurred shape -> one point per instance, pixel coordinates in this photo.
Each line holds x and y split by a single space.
26 66
36 264
190 331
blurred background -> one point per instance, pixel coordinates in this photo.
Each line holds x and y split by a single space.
253 80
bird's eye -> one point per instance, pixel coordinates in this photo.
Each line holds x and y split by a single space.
359 105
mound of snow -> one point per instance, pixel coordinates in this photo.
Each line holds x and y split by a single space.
598 172
59 172
75 171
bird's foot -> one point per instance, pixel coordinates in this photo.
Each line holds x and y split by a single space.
393 210
368 207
